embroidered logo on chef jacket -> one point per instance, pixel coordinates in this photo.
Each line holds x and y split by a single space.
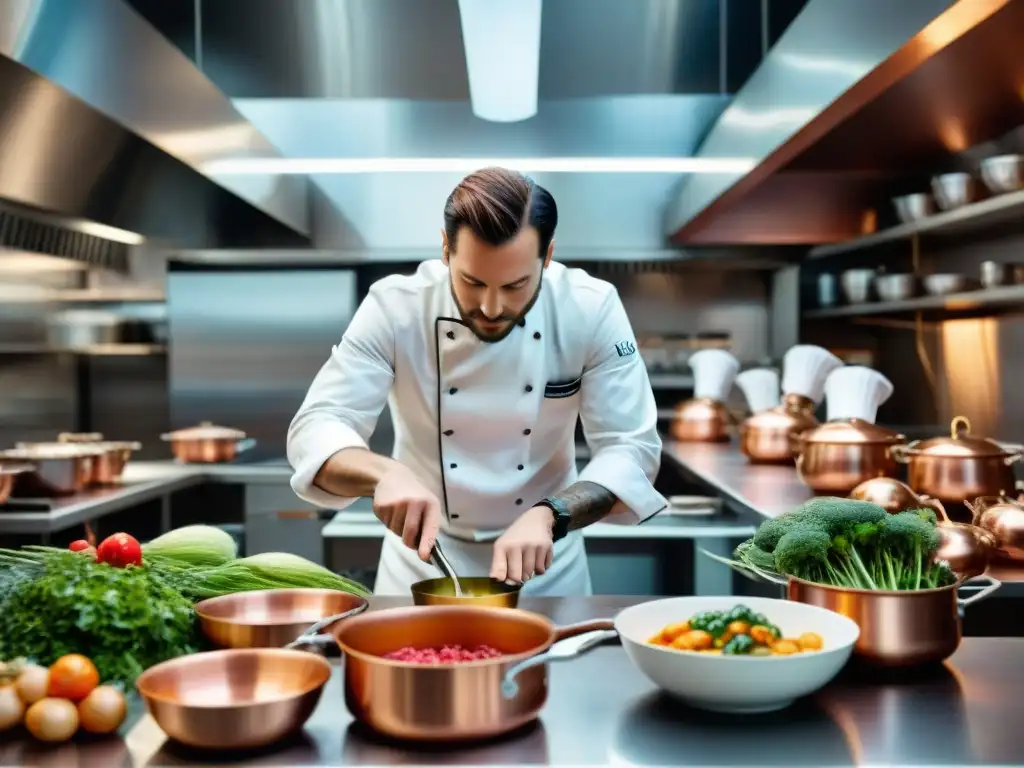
625 348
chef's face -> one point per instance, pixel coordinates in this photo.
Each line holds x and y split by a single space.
495 286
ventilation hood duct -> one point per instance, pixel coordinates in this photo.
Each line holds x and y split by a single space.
103 120
833 61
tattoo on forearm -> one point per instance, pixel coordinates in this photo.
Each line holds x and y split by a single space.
588 503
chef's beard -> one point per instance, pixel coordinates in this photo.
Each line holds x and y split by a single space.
471 318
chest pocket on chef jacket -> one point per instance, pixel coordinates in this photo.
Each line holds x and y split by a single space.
561 402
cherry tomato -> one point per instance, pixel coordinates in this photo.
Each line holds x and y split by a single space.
78 546
73 677
119 550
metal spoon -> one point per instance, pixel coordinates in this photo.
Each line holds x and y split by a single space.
439 560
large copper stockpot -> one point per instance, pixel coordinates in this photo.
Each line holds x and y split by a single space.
897 629
447 702
702 420
967 549
768 437
837 456
960 467
1004 519
207 443
109 465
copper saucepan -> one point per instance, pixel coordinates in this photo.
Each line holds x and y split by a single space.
207 444
448 702
272 618
109 465
476 590
235 699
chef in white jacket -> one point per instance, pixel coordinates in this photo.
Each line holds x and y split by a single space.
486 358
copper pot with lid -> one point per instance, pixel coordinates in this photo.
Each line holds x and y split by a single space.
702 420
967 549
207 443
1004 519
768 437
108 467
960 467
837 456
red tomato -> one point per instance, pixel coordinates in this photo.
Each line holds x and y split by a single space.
119 550
78 546
73 677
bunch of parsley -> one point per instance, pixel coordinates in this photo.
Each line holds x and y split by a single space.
124 619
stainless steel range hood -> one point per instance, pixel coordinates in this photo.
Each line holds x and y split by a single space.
835 58
102 119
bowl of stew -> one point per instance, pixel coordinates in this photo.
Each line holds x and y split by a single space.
736 654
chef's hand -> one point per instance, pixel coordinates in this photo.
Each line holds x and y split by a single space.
408 508
526 548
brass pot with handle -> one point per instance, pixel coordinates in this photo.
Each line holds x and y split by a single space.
1003 518
837 456
768 437
959 467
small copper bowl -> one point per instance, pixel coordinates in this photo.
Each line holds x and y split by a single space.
237 699
476 590
271 618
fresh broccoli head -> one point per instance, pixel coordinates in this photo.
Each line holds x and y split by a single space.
926 514
770 531
908 532
803 552
841 516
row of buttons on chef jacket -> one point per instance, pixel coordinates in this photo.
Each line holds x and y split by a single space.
453 390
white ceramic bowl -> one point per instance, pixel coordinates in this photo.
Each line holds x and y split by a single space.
740 684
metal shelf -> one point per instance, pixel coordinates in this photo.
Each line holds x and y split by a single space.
980 303
105 350
976 216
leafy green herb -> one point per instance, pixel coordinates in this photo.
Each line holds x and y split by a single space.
124 619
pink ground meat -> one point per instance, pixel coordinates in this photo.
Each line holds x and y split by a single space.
447 654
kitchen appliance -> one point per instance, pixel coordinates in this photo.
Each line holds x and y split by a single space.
705 418
849 448
955 190
450 702
960 467
271 618
237 699
905 628
1003 173
913 207
760 386
207 443
1004 519
769 436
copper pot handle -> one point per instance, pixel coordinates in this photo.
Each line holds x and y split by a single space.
901 453
563 650
1014 457
315 638
983 593
592 625
959 426
936 505
245 445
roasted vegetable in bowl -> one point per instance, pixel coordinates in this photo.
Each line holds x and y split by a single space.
736 632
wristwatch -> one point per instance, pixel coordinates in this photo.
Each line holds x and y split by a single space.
561 514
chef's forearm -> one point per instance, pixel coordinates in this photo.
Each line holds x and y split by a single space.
353 472
587 502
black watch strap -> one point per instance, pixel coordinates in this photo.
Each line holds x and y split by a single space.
562 517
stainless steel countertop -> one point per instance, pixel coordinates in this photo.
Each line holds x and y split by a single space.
602 711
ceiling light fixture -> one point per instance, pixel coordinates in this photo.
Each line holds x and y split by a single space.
502 42
246 166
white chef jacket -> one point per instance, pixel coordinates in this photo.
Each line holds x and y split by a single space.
487 427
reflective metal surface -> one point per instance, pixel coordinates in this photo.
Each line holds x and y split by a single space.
226 326
109 122
600 712
475 591
827 49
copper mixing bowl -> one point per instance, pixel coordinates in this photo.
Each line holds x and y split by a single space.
271 618
475 591
236 699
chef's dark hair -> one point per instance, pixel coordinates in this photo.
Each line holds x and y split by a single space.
495 203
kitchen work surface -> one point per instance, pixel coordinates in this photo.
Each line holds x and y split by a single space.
601 711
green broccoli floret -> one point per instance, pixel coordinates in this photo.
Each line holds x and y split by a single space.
925 513
749 552
803 552
838 516
908 543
